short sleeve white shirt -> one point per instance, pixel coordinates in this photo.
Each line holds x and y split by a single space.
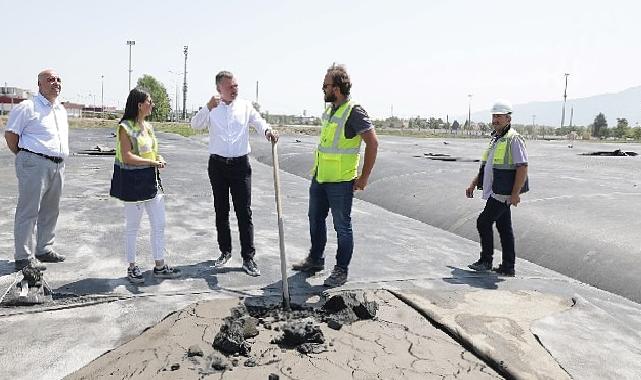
41 126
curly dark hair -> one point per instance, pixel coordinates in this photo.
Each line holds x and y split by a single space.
340 78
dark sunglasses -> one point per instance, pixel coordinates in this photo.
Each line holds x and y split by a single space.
54 79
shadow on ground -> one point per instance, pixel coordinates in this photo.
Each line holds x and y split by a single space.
482 280
87 286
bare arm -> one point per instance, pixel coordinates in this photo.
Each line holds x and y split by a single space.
469 192
12 141
130 158
371 150
519 181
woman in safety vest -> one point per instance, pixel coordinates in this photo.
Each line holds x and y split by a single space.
136 181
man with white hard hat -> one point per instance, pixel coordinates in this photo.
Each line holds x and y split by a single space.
502 177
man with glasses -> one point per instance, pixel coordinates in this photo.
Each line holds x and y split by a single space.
37 133
228 120
502 177
335 174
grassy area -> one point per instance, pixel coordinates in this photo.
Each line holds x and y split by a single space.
183 129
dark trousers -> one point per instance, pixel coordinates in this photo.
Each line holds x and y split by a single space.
338 198
498 212
232 175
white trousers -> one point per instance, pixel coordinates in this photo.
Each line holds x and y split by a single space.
133 214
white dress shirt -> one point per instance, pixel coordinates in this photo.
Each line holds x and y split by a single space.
229 127
41 126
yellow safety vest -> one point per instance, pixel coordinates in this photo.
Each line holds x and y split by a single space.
337 157
145 146
503 167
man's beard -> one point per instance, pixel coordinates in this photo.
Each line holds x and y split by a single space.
330 98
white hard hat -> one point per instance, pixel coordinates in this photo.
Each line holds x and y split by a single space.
501 107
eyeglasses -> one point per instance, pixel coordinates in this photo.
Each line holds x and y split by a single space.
325 85
54 79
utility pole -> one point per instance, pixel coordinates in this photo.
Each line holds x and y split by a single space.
185 85
565 96
533 121
391 113
130 44
256 92
102 95
571 115
469 112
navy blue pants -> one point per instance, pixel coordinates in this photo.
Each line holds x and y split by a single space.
498 212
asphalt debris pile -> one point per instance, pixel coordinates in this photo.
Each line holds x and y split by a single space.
231 339
31 290
299 328
346 308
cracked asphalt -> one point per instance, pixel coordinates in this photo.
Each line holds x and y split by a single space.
394 252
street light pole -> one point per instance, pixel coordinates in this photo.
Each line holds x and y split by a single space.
565 96
102 95
130 44
185 85
177 101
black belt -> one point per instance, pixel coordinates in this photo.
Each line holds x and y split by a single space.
228 160
57 160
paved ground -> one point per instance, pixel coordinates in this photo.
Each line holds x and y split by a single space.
580 217
393 252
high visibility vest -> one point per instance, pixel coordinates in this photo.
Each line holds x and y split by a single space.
145 146
337 157
503 167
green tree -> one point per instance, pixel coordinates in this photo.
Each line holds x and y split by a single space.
600 126
622 129
158 92
636 133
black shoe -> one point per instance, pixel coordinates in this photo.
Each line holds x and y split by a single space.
504 271
134 275
33 263
222 259
481 266
309 265
166 272
251 268
51 257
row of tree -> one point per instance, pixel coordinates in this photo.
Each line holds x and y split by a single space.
599 128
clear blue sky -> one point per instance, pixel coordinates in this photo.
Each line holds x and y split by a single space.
424 57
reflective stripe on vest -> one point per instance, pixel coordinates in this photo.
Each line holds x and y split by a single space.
145 146
337 157
503 167
502 152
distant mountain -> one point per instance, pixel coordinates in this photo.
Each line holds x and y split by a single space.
626 103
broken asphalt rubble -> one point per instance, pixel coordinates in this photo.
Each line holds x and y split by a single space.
300 330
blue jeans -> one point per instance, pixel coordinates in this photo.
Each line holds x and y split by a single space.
498 212
337 197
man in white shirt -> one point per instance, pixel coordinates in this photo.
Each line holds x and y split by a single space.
228 119
37 133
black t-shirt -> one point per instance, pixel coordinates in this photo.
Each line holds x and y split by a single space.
357 122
